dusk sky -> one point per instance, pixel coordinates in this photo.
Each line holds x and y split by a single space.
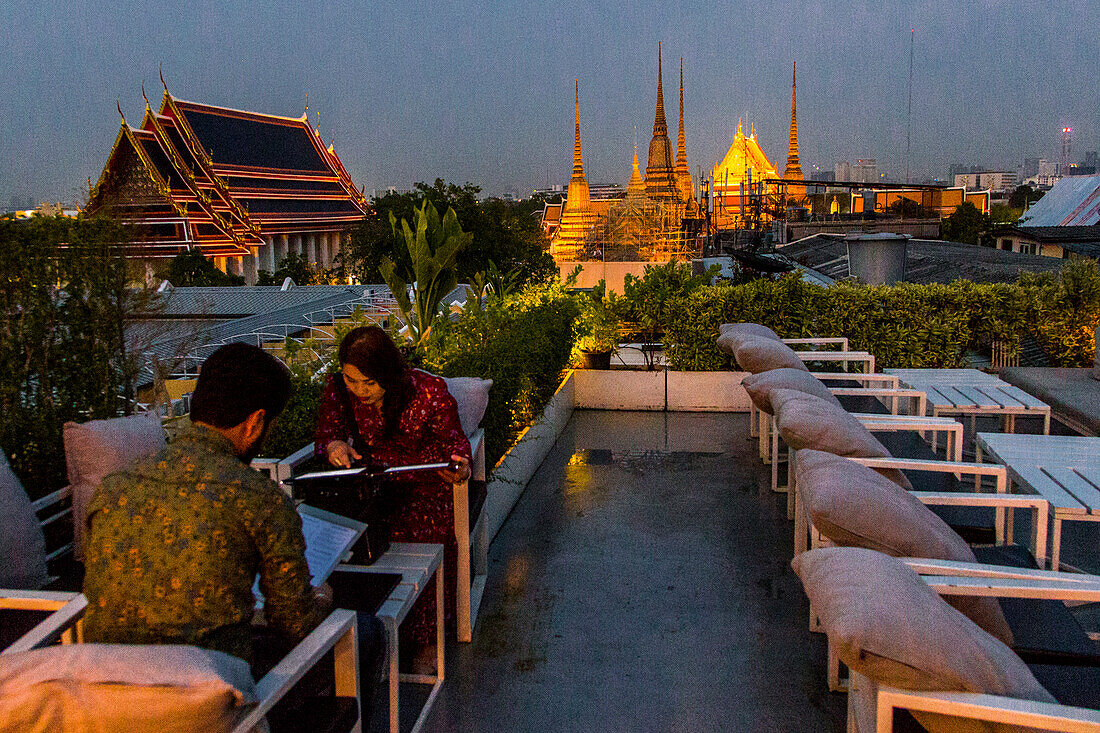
483 92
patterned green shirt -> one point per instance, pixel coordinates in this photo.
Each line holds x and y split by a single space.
174 545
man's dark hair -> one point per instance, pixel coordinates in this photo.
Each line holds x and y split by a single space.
235 381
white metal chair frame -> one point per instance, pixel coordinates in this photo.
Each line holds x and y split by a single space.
952 578
338 633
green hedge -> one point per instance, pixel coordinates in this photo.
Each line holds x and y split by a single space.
904 325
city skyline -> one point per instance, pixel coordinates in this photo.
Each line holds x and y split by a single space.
483 93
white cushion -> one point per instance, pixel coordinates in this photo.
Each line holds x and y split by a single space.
100 447
761 354
22 544
856 507
472 396
760 386
887 624
90 688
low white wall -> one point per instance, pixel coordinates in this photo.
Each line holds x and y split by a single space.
512 474
661 390
612 273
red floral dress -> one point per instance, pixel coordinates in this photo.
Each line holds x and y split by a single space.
427 432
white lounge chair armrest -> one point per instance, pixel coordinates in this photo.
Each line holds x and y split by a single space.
51 629
291 668
955 585
888 380
925 566
991 708
840 341
919 464
35 600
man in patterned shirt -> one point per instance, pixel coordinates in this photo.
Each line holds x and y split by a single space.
175 543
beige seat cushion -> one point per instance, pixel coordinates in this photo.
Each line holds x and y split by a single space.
887 624
761 354
760 386
732 335
472 396
90 688
100 447
854 506
809 422
22 544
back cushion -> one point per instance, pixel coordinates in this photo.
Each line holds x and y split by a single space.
760 355
732 335
472 396
887 624
100 447
89 688
854 506
760 386
22 544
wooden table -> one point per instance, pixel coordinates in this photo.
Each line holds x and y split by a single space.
973 392
1065 470
416 563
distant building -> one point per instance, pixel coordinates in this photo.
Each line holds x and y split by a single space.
996 181
244 188
1064 242
842 171
1030 168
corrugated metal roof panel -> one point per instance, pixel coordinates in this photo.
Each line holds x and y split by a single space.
1074 200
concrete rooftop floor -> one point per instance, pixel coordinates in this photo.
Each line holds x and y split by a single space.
642 583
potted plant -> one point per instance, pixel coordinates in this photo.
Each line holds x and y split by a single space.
596 331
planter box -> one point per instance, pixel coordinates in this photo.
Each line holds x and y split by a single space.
514 470
661 390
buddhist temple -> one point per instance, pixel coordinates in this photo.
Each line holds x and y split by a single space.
793 171
660 174
244 188
635 188
577 215
744 167
683 173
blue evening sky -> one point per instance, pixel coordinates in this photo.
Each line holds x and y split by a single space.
483 91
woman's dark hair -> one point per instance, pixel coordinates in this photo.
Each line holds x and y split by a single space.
371 350
235 381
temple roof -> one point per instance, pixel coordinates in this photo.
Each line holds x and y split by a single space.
660 178
222 179
744 153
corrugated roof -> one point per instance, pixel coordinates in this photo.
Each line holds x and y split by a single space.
927 260
1074 200
238 302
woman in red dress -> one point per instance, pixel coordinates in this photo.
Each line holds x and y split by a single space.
404 416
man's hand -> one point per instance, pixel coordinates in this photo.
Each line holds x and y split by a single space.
340 454
463 472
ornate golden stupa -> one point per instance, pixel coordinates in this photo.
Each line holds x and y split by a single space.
794 168
577 216
635 188
660 174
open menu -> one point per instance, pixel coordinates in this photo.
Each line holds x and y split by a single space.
328 538
365 472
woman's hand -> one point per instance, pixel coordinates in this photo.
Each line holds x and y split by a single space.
463 472
340 454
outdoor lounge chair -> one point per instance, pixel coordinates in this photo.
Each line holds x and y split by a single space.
907 648
848 504
471 526
336 634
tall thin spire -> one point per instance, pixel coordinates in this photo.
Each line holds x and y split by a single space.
683 172
660 127
635 189
578 164
660 178
794 168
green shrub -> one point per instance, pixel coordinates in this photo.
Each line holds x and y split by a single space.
905 325
63 354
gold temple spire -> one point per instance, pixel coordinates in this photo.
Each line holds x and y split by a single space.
794 168
660 178
578 163
683 173
577 217
635 189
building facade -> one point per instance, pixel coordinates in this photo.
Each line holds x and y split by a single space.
244 188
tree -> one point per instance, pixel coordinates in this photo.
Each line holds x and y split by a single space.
294 266
1024 196
432 248
192 267
907 208
966 224
504 232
